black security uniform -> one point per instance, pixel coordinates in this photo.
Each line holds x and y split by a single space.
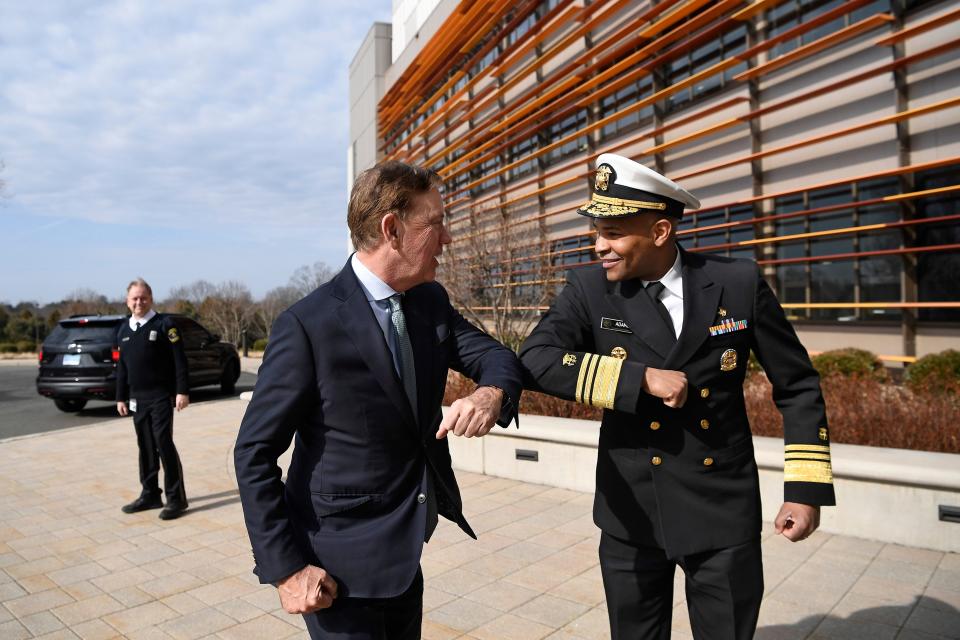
680 486
153 368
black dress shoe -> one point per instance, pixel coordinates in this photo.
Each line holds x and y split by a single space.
173 510
143 503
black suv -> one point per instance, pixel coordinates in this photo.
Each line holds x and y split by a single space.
78 360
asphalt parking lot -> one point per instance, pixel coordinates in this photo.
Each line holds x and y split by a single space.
23 411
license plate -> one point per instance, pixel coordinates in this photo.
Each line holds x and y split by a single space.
71 359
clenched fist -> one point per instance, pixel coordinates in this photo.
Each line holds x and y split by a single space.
307 590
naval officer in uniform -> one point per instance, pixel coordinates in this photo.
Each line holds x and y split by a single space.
659 338
151 380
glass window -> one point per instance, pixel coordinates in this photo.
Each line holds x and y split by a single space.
938 273
832 282
701 58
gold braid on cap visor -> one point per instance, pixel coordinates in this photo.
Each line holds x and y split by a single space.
605 205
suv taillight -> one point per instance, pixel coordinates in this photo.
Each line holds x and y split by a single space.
115 355
40 356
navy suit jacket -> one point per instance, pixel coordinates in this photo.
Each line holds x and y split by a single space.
349 503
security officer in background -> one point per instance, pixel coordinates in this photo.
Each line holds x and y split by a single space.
660 338
152 368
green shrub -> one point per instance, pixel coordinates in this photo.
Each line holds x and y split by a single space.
259 344
26 346
935 373
8 347
850 362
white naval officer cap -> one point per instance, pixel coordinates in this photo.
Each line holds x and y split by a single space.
623 187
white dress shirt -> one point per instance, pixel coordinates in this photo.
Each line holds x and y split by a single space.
672 294
141 321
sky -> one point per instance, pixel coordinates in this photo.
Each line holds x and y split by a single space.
175 140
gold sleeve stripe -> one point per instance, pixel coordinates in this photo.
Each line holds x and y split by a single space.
801 455
582 376
597 380
807 471
605 388
807 447
591 379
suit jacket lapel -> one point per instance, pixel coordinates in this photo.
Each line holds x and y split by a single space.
636 309
700 299
359 323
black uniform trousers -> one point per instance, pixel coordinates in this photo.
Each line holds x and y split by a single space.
153 422
397 618
724 588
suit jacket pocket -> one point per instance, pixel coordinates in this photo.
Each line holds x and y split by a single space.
328 504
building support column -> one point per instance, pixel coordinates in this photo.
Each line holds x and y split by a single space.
908 208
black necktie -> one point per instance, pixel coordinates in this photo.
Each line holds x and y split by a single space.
138 327
654 289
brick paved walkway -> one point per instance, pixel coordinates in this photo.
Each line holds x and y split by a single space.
73 566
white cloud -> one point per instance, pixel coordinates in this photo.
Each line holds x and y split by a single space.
180 114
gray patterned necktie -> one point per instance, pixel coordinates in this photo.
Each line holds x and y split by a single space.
408 371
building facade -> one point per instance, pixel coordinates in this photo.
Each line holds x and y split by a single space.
821 137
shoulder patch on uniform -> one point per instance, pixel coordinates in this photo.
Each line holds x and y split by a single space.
173 335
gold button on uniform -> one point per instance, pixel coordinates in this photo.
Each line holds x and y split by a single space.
654 425
655 461
704 424
704 393
707 462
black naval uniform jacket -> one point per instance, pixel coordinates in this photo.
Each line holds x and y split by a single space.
152 362
684 480
353 501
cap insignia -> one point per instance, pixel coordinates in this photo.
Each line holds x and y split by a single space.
602 180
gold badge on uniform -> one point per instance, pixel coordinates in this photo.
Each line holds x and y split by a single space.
569 360
722 312
602 180
173 335
728 361
619 353
823 434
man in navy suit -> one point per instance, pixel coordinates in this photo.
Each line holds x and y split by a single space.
355 373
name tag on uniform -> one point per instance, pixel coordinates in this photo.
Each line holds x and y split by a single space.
612 324
153 336
125 339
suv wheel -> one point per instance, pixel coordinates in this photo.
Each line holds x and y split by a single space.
228 380
70 406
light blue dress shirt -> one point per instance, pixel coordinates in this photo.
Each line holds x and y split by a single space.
378 293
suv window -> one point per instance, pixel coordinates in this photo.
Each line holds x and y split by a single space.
101 333
193 334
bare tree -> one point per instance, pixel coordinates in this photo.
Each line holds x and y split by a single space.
84 301
274 302
499 275
188 299
307 278
228 310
